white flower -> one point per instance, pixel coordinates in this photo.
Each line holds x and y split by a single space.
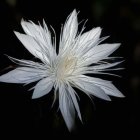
79 54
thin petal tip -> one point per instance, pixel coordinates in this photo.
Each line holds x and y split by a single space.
16 33
74 11
108 99
121 96
35 96
22 21
117 45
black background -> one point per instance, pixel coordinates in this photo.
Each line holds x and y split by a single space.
20 116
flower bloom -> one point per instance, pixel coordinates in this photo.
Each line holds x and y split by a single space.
79 54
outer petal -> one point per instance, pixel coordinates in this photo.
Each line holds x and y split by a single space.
66 107
43 87
32 46
105 66
72 94
93 35
69 31
88 40
100 52
112 90
38 32
30 28
107 86
22 75
90 88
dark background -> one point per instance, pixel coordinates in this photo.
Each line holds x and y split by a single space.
20 116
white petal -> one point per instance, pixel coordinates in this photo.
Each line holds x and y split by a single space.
22 75
47 35
112 90
92 35
43 87
66 107
87 41
31 45
107 86
69 31
72 94
37 32
100 52
105 66
30 28
90 88
27 63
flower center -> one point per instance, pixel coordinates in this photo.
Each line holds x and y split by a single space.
66 67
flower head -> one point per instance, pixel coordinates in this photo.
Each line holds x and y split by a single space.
79 54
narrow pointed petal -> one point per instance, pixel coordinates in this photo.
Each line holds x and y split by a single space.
106 49
31 45
47 34
92 35
43 87
100 52
69 31
87 41
105 85
22 75
105 66
37 32
72 94
30 28
71 26
27 63
90 88
112 90
66 107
